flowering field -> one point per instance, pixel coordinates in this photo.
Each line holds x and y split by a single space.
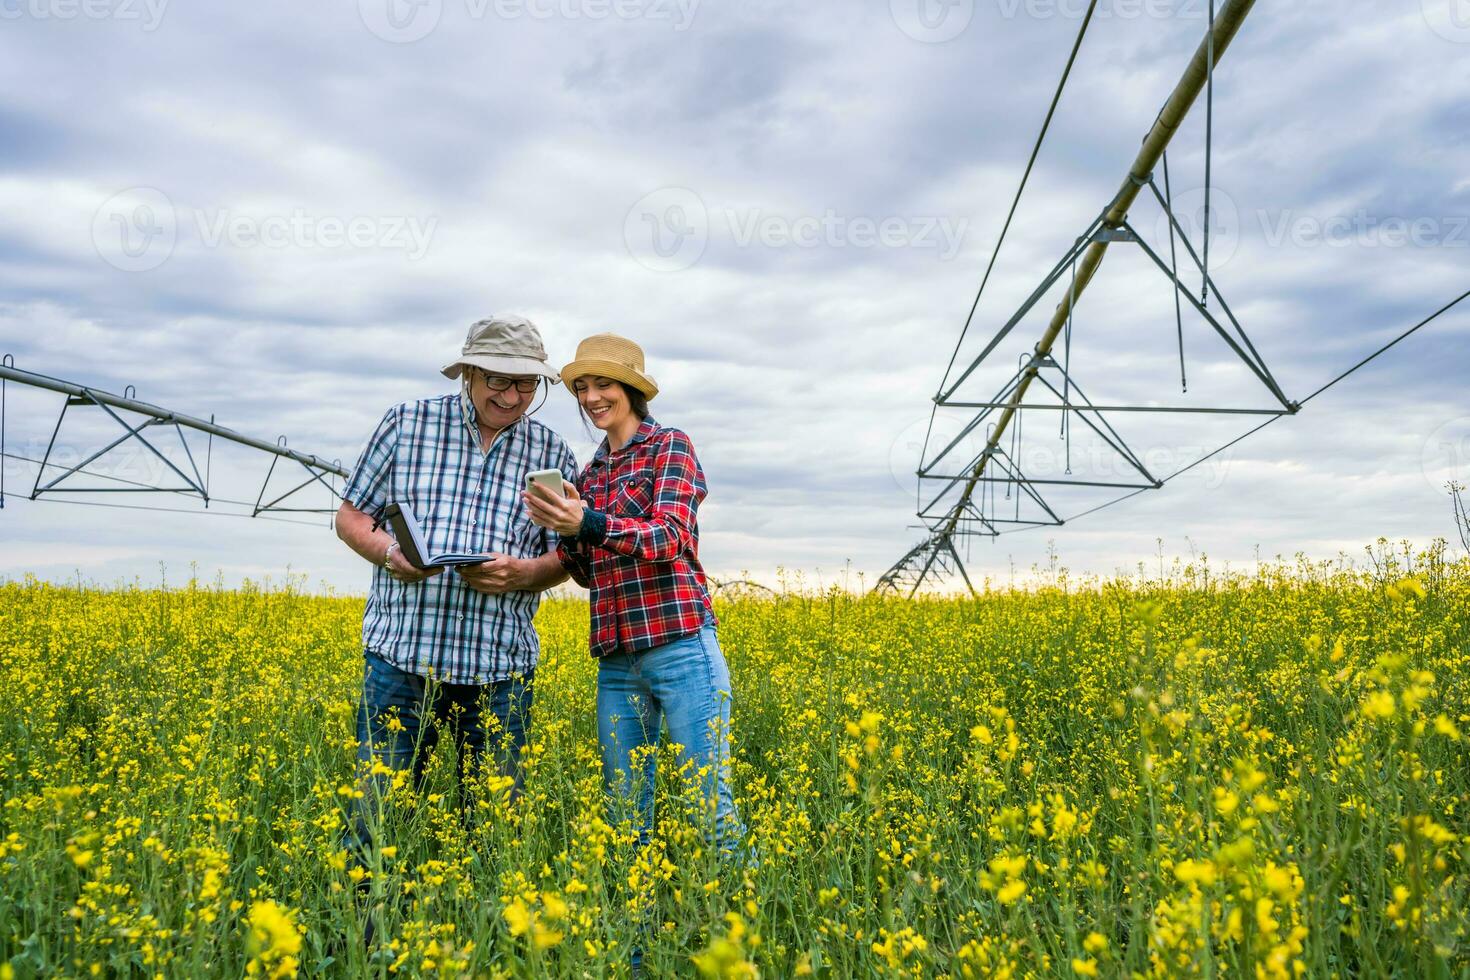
1249 775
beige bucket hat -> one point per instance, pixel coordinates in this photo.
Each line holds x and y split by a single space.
606 355
506 344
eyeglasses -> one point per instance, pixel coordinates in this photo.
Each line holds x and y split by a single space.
499 382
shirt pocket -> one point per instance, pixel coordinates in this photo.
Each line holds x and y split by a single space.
520 537
631 495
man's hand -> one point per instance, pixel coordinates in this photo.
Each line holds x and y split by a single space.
497 575
373 544
403 570
561 514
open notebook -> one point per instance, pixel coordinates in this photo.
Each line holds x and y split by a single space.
405 527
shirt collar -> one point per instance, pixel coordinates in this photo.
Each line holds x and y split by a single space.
644 432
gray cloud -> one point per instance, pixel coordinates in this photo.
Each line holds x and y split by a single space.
802 371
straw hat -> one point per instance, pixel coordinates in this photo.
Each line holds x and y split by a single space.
606 355
505 345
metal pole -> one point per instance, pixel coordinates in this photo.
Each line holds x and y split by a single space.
1211 49
164 415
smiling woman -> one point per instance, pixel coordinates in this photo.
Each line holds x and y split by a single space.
630 534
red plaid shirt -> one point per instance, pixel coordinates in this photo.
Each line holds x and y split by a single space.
638 549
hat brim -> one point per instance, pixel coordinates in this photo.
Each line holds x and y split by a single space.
609 369
503 363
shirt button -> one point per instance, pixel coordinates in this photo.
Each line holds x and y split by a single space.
472 522
461 617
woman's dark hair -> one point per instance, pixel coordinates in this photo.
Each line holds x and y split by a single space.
637 401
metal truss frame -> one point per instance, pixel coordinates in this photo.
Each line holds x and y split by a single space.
944 518
193 482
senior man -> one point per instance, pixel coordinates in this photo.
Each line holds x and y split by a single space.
441 650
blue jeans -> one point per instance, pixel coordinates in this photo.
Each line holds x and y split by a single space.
422 709
686 684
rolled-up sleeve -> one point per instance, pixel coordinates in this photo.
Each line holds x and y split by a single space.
668 530
369 485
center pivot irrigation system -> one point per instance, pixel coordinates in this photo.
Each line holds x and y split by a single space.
56 477
961 508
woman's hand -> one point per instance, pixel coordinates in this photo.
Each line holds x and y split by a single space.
561 514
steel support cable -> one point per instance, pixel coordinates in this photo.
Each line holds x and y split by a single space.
1026 176
1209 152
1403 336
1176 108
1174 271
1275 418
1015 461
1190 85
1067 370
122 479
162 510
1255 362
1015 203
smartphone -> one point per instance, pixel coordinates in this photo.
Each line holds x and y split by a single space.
550 479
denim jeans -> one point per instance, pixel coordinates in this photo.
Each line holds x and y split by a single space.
422 709
685 684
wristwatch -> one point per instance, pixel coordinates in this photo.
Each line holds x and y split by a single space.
388 557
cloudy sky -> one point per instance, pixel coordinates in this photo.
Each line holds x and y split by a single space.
286 216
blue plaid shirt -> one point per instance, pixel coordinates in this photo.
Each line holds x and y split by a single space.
427 454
